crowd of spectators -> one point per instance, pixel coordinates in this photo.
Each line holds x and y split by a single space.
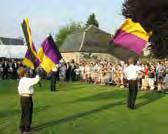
8 68
153 76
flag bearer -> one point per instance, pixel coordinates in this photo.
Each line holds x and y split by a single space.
131 74
26 91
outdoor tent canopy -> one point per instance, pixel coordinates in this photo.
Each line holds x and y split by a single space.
12 51
12 48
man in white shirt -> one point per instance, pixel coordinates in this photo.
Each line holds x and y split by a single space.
26 91
131 74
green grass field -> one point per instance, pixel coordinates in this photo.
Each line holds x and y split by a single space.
84 109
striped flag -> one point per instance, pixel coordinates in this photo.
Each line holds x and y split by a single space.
29 61
46 57
49 54
31 58
130 38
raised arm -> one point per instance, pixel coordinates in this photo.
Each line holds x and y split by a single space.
33 81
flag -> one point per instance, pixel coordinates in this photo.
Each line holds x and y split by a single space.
49 54
130 38
28 59
31 58
28 38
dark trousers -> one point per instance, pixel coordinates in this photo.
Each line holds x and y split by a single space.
132 93
26 113
5 75
14 74
53 83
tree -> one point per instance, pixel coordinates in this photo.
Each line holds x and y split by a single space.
65 31
153 16
92 20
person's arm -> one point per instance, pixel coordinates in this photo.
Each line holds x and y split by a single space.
19 89
33 81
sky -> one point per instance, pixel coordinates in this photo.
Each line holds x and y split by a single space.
48 16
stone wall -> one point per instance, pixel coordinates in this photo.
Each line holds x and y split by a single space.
77 56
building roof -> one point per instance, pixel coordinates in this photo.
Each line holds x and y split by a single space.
12 51
11 41
89 39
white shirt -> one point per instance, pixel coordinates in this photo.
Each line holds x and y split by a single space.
166 79
26 85
131 72
77 71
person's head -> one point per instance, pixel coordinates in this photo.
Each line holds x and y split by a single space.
22 72
131 61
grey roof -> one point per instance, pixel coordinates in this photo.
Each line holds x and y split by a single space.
94 40
90 39
11 41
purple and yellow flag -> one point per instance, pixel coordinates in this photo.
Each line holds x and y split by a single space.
49 54
46 57
131 36
27 33
29 60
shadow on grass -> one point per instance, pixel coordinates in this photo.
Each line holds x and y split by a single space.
149 98
76 116
13 112
68 86
9 113
38 109
116 94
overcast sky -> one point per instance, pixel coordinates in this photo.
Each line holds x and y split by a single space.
47 16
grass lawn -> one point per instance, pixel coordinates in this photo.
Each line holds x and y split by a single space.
84 109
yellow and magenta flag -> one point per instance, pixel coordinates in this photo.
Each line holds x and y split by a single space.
131 36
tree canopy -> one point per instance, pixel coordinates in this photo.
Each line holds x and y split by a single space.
153 16
92 20
65 31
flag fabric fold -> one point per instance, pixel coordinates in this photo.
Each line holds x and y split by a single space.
131 36
27 33
29 60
